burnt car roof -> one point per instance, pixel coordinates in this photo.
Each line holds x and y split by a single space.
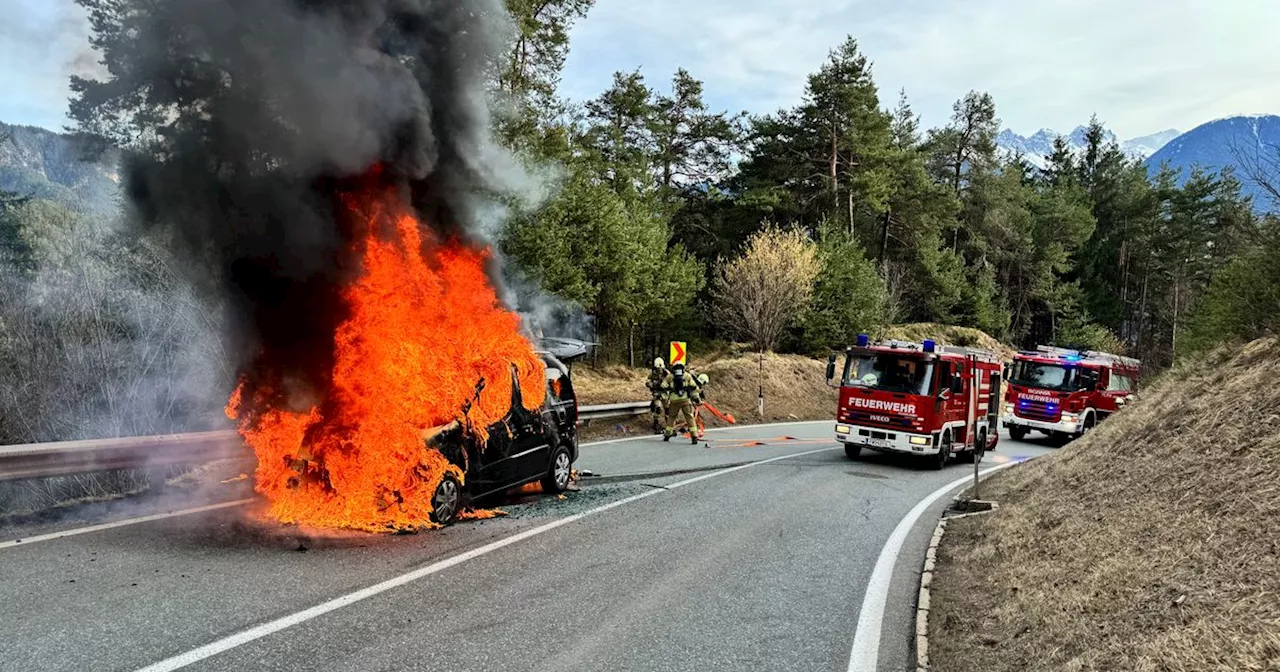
563 348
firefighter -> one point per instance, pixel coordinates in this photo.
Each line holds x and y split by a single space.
657 402
700 396
681 389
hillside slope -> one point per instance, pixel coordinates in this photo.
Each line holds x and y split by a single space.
1153 544
44 164
1215 146
795 387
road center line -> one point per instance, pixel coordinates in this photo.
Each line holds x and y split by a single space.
270 627
865 655
27 541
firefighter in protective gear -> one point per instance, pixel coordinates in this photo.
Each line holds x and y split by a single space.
682 391
657 402
700 396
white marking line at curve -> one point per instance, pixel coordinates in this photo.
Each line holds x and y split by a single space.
244 637
27 541
865 655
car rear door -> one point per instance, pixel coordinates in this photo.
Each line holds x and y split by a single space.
530 451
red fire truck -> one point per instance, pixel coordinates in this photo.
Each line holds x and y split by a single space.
917 398
1065 393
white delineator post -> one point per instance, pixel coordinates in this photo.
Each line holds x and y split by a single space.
760 392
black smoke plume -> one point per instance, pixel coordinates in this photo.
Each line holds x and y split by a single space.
247 118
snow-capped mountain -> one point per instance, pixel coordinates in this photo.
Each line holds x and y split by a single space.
1148 144
1224 143
1040 144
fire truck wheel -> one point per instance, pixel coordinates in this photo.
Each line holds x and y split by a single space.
944 451
1089 422
446 501
1018 433
852 450
557 478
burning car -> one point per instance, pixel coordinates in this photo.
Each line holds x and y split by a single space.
525 446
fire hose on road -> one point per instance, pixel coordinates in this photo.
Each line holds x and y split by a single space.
67 458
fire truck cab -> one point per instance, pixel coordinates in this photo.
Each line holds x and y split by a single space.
1065 393
916 398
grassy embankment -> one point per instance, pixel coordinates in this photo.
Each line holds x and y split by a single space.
1152 544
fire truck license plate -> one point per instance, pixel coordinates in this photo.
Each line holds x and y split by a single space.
879 443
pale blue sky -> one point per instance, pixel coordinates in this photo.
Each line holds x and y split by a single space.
1141 65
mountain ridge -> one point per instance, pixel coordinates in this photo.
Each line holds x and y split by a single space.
1038 146
1233 143
46 164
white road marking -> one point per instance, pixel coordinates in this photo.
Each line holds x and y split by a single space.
239 502
866 639
258 632
27 541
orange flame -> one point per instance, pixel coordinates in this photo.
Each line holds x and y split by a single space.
423 326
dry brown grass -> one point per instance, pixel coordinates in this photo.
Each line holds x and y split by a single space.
947 335
1153 544
795 387
609 384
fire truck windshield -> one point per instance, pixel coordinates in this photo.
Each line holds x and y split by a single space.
1048 376
892 373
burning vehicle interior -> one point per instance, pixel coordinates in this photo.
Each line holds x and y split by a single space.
523 447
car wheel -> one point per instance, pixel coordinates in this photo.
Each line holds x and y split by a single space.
852 450
447 501
1018 433
944 451
558 474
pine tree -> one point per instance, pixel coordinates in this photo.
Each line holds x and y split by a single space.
527 76
826 158
619 136
964 152
692 145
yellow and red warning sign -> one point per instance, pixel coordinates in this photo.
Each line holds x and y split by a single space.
679 354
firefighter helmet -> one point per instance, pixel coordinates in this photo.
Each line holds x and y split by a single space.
703 379
659 364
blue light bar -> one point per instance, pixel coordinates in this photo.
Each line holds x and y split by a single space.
863 340
929 345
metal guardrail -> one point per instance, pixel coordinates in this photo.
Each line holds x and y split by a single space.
66 458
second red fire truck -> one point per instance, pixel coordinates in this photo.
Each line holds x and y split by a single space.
917 398
1065 393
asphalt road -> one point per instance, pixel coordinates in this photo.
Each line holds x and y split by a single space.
755 567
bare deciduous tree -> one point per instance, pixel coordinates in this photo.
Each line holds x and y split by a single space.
896 284
1261 165
761 292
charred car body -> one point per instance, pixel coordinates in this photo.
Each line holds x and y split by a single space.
523 447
